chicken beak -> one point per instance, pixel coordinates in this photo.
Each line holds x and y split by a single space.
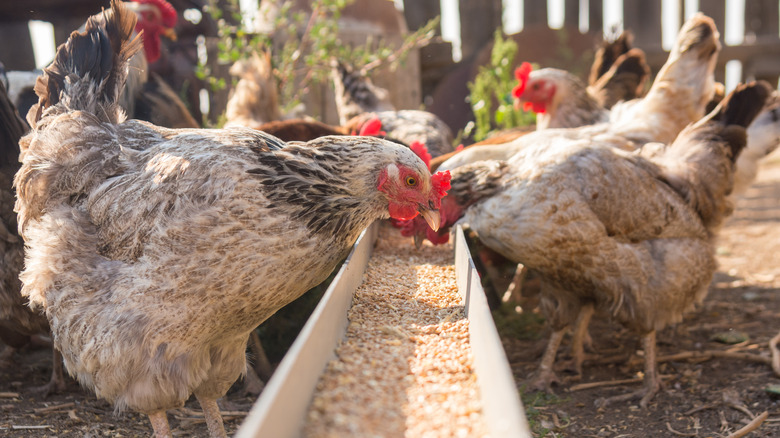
169 33
432 217
419 238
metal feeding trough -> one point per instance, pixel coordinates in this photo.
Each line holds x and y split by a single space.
281 410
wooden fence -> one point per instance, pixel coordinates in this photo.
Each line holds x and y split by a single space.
443 82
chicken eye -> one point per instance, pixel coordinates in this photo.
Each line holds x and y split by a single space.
411 181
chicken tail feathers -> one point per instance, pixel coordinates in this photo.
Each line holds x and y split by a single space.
699 165
89 70
739 108
356 94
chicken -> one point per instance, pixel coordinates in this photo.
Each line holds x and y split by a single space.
678 96
155 252
306 129
18 323
607 54
254 100
681 90
631 236
763 139
151 100
359 100
356 93
561 100
157 103
625 80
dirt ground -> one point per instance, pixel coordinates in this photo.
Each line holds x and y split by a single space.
704 398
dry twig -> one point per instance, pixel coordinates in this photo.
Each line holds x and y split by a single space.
54 408
670 429
750 427
709 354
9 395
592 385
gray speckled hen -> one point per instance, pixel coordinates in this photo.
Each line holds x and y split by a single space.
155 252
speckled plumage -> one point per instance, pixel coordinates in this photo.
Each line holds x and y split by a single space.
631 236
155 252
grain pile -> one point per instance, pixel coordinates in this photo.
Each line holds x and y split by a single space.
404 367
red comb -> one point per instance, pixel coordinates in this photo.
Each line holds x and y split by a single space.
460 147
167 10
441 182
422 152
372 127
521 74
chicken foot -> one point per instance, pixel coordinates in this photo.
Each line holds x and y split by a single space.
56 383
652 384
579 338
213 417
545 376
159 420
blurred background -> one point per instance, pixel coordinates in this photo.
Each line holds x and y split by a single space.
552 33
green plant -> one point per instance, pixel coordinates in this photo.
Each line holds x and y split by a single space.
535 404
301 46
491 92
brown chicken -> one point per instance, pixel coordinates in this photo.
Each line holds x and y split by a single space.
561 100
678 96
254 100
155 252
566 102
631 236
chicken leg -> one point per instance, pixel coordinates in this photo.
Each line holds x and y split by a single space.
652 383
56 384
545 375
159 421
579 337
213 417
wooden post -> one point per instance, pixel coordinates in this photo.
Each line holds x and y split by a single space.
571 14
479 20
16 52
715 9
644 20
419 12
761 25
596 16
534 12
435 58
761 18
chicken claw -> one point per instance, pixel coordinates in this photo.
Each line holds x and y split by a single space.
545 376
652 384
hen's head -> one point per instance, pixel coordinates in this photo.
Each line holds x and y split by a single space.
411 190
156 18
535 89
420 230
